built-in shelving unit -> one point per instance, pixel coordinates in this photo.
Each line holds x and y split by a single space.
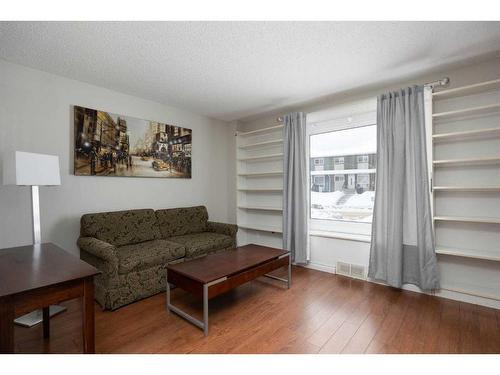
261 228
467 90
263 190
262 144
260 185
461 135
467 161
463 219
468 188
257 175
259 131
468 114
467 111
465 253
262 157
262 208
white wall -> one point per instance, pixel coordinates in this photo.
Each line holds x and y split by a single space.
36 115
477 277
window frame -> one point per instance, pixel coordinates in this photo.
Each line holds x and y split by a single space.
360 119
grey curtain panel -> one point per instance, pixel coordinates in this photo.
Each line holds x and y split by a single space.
295 236
402 247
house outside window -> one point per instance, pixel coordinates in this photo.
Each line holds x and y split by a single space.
318 164
342 193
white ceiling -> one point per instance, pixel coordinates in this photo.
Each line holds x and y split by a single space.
232 70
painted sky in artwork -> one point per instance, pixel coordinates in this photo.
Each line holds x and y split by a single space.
136 127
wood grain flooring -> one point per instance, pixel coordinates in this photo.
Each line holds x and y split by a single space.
321 313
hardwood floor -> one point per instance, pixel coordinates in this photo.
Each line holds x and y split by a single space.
321 313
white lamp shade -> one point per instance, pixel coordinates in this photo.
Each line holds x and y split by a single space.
26 168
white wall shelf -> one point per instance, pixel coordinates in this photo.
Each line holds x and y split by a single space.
462 219
467 188
264 174
466 134
262 190
466 111
261 208
467 90
468 161
260 131
470 108
261 228
260 158
261 144
259 179
466 253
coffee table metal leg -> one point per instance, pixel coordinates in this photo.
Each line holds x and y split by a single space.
182 314
198 323
205 309
289 272
288 281
168 291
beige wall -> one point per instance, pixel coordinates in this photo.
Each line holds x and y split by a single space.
36 116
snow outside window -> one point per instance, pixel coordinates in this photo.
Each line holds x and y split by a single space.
343 189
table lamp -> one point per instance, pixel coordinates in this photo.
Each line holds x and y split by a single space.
34 170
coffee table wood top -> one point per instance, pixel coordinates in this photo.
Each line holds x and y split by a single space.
31 267
216 266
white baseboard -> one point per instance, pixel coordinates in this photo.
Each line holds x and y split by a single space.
443 293
469 298
320 267
457 295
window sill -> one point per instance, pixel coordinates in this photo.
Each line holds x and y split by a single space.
340 235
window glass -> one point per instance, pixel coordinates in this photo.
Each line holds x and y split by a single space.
342 167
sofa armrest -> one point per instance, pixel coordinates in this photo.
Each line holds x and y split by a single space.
222 228
98 248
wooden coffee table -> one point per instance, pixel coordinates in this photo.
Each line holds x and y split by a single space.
212 275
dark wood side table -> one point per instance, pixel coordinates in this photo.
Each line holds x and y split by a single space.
37 276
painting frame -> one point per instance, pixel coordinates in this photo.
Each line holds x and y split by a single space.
110 145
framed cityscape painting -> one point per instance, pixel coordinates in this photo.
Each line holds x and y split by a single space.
107 144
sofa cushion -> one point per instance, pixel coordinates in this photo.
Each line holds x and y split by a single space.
202 243
121 227
144 255
181 221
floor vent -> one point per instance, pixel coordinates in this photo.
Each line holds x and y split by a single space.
343 269
351 270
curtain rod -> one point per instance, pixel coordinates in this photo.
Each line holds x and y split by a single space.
440 82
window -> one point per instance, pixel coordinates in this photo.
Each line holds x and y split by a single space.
319 180
344 190
363 159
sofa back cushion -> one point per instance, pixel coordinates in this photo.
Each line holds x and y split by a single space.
181 221
121 227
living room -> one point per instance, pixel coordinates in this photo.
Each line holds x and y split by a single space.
249 187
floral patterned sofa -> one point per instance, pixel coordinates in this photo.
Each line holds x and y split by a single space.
131 248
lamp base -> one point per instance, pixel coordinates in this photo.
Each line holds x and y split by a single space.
36 317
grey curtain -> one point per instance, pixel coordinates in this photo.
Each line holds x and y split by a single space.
295 236
402 247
